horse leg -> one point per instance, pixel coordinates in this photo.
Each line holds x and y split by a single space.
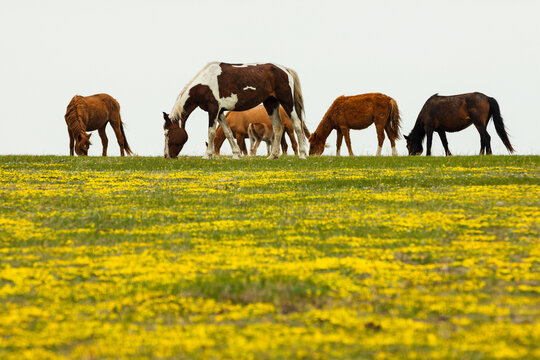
272 108
71 144
442 135
429 135
345 132
390 135
119 137
299 130
485 139
268 148
241 141
380 137
212 125
254 146
338 142
229 135
104 140
253 141
294 144
218 140
284 145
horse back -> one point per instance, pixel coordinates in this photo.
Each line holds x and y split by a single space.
101 108
455 112
359 111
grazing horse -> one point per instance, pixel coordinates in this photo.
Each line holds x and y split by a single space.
358 112
455 113
175 138
260 132
240 120
93 113
220 86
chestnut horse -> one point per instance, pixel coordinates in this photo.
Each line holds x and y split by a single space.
258 132
93 113
455 113
219 87
240 120
175 138
358 112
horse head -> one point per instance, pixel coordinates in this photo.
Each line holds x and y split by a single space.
175 138
316 145
82 143
414 146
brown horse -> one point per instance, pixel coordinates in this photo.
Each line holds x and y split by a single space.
93 113
175 138
455 113
219 87
358 112
240 120
258 132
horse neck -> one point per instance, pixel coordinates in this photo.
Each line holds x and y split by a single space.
183 107
418 132
324 129
74 117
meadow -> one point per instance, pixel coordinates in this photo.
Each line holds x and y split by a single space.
326 258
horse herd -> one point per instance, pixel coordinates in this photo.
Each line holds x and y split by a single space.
240 89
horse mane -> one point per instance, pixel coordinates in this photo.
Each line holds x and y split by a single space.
178 108
325 126
74 115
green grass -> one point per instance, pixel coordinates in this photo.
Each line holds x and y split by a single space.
329 257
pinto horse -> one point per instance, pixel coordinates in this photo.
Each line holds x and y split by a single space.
455 113
175 138
93 113
220 86
240 120
358 112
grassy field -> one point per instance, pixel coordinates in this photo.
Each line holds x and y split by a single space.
364 257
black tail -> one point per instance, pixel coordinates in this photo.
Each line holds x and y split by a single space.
495 111
126 145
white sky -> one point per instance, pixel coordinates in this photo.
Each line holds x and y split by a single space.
144 52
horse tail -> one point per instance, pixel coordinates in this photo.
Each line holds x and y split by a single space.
495 112
298 100
394 119
251 133
126 145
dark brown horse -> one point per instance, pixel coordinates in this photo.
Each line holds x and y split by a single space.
175 138
93 113
358 112
455 113
219 87
239 122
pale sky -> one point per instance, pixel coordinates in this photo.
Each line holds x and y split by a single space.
144 52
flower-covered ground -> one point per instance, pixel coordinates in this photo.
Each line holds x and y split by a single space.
384 258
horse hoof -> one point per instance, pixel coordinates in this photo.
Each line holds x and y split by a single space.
207 156
272 157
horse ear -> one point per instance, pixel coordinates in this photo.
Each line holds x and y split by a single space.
166 118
